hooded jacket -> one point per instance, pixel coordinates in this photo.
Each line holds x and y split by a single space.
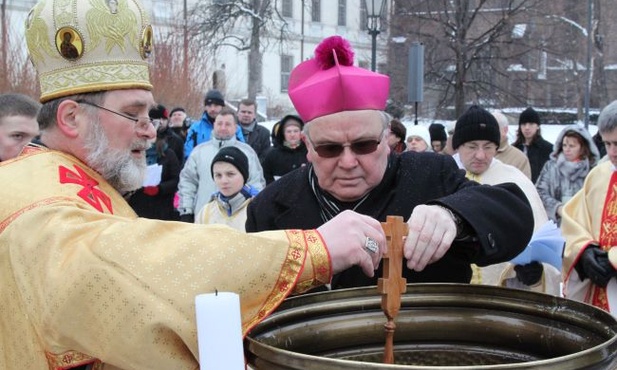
282 159
560 179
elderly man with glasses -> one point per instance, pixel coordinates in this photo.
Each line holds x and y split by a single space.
452 222
476 138
86 284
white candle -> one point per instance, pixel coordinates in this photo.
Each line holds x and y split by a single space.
219 331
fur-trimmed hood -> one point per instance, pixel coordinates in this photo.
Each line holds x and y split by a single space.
584 133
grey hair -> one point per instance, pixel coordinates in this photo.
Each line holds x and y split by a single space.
385 121
48 111
501 118
607 121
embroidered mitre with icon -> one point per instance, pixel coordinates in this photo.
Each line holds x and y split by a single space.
80 46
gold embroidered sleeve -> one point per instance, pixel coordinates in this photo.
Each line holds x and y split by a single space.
317 267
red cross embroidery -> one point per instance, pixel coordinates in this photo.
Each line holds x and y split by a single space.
89 193
296 254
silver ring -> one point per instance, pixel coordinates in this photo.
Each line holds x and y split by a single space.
371 246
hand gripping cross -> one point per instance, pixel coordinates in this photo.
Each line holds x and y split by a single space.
392 284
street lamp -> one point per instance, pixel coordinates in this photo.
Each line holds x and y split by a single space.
373 15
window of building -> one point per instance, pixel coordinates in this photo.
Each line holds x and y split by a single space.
316 10
288 10
342 12
287 62
363 16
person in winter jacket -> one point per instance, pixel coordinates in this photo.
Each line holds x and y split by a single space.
196 185
255 135
230 171
419 139
157 201
160 115
574 155
201 131
289 153
396 137
529 140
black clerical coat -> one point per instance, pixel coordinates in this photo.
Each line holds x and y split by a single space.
500 215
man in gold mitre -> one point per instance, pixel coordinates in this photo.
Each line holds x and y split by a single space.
85 283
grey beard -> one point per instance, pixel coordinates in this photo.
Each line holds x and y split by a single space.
117 167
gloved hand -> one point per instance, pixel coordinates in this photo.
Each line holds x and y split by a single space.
594 265
530 273
190 218
151 190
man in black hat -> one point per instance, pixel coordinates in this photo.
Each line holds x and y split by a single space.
476 139
530 141
201 130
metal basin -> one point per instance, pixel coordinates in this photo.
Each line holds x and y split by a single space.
440 326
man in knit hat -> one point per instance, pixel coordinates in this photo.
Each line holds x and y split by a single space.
201 131
530 141
453 222
86 284
196 186
476 139
230 171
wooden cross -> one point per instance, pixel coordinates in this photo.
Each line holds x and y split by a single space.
392 284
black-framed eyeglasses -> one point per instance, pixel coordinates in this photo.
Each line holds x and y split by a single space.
141 123
361 147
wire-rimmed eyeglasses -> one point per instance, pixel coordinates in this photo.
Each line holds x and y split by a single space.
141 123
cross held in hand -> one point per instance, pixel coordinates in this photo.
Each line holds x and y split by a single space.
392 284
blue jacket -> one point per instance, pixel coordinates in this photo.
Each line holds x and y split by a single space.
200 131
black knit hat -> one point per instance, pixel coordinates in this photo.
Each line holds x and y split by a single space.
529 115
158 112
234 156
214 97
476 124
438 132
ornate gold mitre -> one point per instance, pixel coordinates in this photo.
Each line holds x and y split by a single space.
80 46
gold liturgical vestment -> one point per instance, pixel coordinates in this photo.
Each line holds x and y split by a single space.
590 217
86 281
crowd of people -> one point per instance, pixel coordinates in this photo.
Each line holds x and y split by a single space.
117 212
